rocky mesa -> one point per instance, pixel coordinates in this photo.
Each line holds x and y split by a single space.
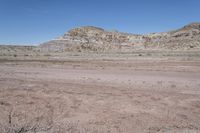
91 38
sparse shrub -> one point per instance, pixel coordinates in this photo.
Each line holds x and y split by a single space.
47 55
173 86
191 46
148 54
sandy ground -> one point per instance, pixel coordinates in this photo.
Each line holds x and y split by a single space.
99 96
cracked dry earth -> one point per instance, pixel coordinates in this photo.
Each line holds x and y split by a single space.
115 96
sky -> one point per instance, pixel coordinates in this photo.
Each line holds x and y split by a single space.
31 22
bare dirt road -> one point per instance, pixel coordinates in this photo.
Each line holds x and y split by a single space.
99 96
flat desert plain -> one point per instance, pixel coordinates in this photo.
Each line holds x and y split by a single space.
100 94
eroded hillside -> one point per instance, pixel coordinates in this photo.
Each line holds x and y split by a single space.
96 39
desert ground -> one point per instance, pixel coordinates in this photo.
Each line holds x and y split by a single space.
95 93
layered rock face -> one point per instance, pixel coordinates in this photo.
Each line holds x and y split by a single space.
96 39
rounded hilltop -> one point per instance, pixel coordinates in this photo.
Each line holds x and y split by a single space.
195 25
86 28
91 28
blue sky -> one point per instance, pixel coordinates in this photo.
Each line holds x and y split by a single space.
36 21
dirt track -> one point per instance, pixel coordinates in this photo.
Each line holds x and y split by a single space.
114 96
